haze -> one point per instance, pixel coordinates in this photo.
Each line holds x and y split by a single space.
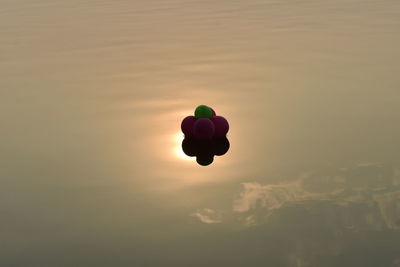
92 93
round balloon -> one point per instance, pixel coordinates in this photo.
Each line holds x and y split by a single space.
221 126
203 111
203 129
205 159
189 146
212 112
205 147
187 125
220 145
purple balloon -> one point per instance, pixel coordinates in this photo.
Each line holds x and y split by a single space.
203 129
213 113
187 125
221 126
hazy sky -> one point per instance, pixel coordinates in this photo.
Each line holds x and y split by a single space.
92 93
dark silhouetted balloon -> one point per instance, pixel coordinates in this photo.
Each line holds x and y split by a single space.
205 159
221 126
220 145
205 147
203 129
203 111
187 125
205 150
189 146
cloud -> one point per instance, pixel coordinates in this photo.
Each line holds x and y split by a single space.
265 196
372 188
208 216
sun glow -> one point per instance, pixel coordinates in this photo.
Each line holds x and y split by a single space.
177 138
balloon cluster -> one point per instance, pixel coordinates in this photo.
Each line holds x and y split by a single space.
205 150
205 135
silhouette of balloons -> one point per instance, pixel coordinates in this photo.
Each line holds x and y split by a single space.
221 126
205 150
205 135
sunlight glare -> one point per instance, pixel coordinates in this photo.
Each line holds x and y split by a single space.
178 137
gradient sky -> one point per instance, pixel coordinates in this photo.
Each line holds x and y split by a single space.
92 93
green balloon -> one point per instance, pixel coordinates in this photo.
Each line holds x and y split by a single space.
203 111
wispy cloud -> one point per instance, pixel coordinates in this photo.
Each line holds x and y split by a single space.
266 196
372 185
208 216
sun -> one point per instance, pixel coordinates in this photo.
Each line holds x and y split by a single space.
178 152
